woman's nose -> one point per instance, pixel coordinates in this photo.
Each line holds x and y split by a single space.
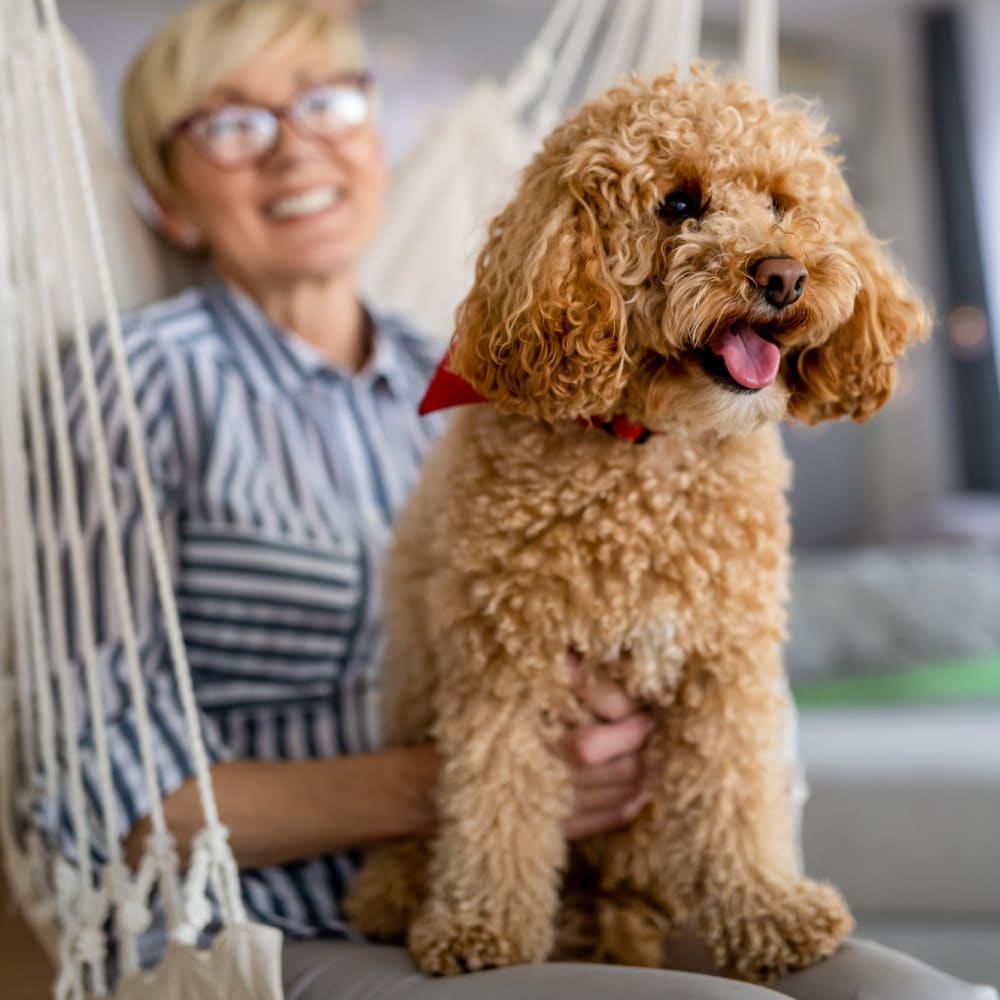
291 145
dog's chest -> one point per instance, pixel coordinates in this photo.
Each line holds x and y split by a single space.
665 550
681 553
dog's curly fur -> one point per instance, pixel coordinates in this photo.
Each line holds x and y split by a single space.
531 534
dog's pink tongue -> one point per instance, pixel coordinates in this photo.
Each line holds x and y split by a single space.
750 359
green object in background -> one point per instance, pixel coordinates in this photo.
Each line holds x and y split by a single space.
946 681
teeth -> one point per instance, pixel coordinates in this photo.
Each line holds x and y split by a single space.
307 203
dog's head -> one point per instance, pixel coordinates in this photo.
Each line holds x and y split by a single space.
685 251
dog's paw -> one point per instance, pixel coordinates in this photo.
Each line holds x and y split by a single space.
766 932
383 915
386 894
449 947
632 931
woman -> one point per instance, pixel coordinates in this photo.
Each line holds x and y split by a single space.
279 414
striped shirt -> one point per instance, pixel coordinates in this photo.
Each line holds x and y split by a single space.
277 476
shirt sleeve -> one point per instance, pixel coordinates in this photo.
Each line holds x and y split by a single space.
119 720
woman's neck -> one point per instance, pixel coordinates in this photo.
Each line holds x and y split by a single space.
325 313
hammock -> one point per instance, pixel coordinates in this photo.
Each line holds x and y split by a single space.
73 252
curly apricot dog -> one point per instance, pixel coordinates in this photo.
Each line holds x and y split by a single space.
682 267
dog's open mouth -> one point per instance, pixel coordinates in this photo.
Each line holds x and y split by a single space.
741 357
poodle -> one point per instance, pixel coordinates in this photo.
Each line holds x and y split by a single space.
682 268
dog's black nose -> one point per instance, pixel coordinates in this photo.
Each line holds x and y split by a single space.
780 279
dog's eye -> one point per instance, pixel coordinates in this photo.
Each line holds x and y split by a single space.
779 205
680 205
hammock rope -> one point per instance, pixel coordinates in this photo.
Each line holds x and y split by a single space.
673 36
620 41
158 553
526 80
567 66
91 915
82 907
211 852
759 45
29 876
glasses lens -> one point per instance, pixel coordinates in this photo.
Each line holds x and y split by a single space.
332 108
236 134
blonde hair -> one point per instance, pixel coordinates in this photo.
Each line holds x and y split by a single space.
200 47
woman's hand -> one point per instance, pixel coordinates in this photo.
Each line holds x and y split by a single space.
605 755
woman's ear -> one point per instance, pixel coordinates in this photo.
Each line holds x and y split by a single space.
175 224
542 332
853 373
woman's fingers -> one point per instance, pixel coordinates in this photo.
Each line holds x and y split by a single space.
586 824
604 698
623 771
607 700
603 799
601 743
604 756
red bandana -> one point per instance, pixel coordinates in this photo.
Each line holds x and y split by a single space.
449 389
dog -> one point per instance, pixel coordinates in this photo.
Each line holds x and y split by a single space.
682 268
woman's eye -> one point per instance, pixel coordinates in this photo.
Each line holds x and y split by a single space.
680 205
226 123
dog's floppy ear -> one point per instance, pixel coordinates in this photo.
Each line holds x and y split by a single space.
542 332
853 373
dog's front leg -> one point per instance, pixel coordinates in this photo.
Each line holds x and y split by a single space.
726 825
498 857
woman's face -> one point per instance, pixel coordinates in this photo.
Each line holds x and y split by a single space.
306 210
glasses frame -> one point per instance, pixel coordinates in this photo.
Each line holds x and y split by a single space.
361 79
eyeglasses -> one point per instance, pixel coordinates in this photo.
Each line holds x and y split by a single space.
239 135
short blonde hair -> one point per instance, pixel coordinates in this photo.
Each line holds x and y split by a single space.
200 47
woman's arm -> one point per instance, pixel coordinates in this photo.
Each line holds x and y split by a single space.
287 810
284 811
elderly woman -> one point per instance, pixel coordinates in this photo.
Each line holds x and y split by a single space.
279 412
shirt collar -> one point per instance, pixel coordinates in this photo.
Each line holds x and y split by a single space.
277 360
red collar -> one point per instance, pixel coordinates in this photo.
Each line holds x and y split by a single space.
620 427
449 389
